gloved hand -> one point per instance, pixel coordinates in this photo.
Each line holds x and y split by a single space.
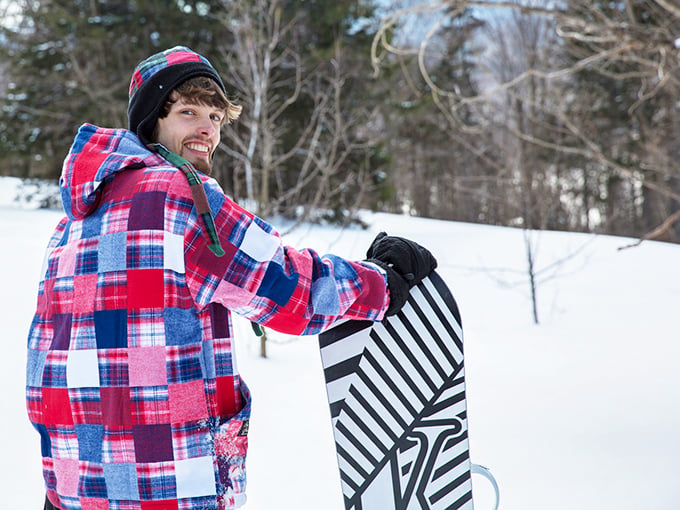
406 263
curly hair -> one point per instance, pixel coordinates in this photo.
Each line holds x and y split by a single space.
202 90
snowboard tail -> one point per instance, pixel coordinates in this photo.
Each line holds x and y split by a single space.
396 391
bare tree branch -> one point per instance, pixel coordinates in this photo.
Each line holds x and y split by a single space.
658 233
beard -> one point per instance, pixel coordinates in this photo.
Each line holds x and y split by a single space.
203 166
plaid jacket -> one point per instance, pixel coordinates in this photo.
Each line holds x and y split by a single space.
131 378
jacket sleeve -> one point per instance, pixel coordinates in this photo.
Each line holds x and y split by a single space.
291 291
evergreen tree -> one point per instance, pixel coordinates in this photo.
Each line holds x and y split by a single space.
70 62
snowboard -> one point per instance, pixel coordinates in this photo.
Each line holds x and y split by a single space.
396 391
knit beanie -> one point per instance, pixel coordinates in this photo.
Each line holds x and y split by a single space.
155 78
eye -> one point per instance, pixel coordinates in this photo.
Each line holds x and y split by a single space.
216 117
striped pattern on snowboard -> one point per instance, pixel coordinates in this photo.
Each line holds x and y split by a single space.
396 391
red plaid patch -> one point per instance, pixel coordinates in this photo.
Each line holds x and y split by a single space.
180 297
113 367
116 217
112 291
118 446
86 406
150 405
156 481
62 296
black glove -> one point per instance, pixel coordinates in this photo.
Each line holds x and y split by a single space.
406 264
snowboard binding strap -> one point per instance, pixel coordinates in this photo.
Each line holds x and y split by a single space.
481 470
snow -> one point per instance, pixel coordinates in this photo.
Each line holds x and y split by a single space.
580 411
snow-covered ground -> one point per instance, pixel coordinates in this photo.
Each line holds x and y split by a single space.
579 412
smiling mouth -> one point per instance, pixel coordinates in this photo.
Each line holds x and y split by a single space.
197 147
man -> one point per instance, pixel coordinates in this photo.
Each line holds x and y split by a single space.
131 379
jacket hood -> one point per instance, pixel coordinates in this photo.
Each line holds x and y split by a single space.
98 153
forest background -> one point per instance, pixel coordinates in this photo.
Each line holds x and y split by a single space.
541 115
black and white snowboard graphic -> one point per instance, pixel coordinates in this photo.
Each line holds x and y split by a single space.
396 391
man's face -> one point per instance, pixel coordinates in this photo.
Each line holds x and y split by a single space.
192 131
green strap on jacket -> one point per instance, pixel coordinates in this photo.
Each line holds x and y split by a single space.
197 193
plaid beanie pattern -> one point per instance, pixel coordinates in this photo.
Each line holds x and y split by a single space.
153 80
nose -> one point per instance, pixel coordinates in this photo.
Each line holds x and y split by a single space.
206 126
